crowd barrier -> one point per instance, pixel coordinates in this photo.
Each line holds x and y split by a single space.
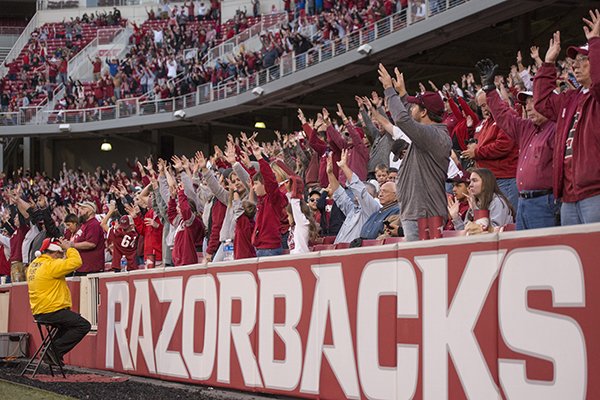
509 315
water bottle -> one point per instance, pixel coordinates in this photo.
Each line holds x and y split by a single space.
123 264
228 250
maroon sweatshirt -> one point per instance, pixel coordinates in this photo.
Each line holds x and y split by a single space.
16 243
495 150
188 229
320 147
242 240
217 215
266 231
579 174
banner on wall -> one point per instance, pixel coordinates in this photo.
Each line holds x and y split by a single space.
497 318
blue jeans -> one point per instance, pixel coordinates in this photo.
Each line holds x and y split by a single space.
584 211
508 186
539 212
269 252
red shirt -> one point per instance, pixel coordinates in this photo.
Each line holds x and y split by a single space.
495 150
16 243
124 244
584 171
152 236
217 215
4 264
267 229
93 259
536 144
189 230
97 66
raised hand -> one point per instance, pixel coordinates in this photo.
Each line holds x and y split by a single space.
553 48
398 82
487 71
375 99
230 153
384 77
343 159
177 164
340 112
592 29
325 115
256 149
329 163
218 152
453 207
301 116
131 209
200 160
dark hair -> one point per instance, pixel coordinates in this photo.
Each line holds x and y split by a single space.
317 192
432 116
258 178
72 218
313 229
489 188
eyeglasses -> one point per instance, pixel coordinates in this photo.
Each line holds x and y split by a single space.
580 58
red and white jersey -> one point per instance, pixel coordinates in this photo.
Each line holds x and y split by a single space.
124 242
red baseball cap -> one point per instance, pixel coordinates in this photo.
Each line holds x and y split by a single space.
574 50
430 100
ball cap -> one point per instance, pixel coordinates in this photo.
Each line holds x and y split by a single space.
574 50
523 95
89 204
50 244
430 100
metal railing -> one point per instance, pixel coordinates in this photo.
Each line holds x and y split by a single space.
288 64
266 22
20 43
62 4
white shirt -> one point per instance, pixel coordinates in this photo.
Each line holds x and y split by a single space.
301 225
172 69
158 36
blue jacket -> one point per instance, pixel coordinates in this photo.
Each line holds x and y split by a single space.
373 227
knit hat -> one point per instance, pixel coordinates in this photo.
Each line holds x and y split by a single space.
574 50
430 100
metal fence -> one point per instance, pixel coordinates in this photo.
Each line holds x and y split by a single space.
288 64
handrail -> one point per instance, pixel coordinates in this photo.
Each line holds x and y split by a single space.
20 43
246 34
288 64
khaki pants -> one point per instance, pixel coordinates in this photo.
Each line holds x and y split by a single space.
17 271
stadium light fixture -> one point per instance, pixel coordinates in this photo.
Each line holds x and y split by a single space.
258 91
179 114
106 146
64 127
260 125
365 49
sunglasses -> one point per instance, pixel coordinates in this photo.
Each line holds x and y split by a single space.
312 200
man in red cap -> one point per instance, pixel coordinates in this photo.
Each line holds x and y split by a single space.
576 174
422 175
50 298
89 239
535 138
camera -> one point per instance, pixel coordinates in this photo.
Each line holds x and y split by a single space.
471 141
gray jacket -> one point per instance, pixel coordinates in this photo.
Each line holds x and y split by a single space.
421 180
381 143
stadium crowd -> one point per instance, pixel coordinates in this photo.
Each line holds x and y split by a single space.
469 157
159 64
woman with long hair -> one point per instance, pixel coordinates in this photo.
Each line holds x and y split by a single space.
484 194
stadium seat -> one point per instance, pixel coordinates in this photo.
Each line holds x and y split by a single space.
392 240
328 239
320 247
342 246
509 228
447 234
372 242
